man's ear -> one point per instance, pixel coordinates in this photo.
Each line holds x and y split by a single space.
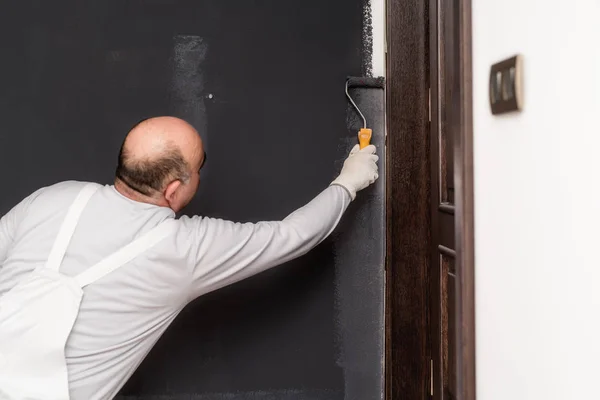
171 191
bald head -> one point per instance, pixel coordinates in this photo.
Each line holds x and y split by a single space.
157 152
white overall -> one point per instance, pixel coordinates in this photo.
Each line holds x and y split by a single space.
37 315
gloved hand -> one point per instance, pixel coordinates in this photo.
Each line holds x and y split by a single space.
359 170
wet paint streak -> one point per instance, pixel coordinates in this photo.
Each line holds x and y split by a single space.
187 82
359 250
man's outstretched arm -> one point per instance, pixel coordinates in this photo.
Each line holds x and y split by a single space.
224 252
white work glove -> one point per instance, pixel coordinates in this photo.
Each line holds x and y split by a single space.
359 170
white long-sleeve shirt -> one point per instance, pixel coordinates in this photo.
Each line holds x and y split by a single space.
123 314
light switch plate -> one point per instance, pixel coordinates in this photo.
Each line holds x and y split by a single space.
506 85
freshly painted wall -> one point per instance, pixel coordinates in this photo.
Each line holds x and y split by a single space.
263 82
537 194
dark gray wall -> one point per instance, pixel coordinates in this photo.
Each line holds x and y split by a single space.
264 83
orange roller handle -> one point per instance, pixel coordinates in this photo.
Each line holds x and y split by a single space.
364 137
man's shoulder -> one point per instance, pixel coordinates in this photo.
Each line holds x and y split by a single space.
48 199
56 191
68 186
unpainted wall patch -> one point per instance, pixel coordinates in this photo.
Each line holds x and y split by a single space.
367 39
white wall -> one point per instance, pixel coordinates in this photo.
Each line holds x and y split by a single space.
377 11
537 201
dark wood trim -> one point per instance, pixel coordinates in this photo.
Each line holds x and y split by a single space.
446 251
409 59
448 208
435 132
407 197
465 233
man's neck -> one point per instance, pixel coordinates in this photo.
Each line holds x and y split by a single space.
131 194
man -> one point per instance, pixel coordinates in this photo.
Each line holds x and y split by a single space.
91 275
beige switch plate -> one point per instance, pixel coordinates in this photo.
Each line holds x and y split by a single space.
506 85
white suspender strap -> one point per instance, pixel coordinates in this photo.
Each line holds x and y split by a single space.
68 226
127 253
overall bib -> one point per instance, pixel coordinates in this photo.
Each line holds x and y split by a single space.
37 315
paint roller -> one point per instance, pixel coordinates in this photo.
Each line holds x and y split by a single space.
364 135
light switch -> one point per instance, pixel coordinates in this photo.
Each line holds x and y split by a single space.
506 85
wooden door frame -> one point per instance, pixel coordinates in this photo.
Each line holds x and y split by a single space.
407 201
408 184
465 211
